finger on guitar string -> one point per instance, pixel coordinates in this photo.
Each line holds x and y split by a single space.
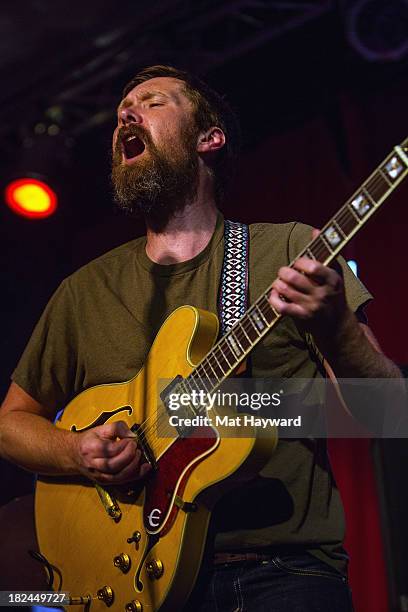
93 446
284 306
114 465
135 470
299 287
307 291
108 450
310 270
290 296
104 440
114 430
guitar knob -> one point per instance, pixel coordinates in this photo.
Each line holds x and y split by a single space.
106 595
122 561
154 569
134 606
136 537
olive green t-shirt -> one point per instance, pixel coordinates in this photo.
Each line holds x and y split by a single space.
98 328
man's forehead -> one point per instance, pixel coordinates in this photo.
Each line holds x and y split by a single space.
174 88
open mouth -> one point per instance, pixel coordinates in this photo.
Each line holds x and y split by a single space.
132 147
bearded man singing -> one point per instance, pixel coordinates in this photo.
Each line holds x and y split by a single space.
277 539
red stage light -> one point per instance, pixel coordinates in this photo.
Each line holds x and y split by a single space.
31 198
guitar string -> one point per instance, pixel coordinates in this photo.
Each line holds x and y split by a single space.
376 183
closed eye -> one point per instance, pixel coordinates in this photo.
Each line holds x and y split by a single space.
155 104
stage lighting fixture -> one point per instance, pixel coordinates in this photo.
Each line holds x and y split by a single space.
38 170
31 197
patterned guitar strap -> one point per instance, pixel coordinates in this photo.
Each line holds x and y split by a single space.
233 295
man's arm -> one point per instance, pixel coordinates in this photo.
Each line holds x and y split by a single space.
29 438
353 351
313 294
381 404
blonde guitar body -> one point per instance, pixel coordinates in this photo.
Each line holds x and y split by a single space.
139 547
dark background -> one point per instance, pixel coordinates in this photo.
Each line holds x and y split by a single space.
321 89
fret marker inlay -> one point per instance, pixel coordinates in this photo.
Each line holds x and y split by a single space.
361 205
332 236
257 320
233 345
394 167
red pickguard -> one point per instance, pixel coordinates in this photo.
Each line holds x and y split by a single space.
162 483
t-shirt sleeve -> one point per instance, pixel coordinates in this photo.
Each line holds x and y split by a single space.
356 293
48 368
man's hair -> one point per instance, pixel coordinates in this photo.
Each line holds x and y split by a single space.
210 109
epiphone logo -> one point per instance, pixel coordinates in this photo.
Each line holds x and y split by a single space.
154 517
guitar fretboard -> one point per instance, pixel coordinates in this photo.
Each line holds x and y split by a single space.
237 343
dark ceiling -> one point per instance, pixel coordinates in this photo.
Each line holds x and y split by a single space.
64 62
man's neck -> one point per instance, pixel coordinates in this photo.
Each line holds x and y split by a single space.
187 233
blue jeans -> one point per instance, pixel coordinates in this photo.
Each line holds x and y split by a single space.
287 583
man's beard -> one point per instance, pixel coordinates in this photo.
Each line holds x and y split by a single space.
160 183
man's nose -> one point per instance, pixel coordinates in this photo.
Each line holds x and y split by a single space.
130 115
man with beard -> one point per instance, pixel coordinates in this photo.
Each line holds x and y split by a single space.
173 151
155 181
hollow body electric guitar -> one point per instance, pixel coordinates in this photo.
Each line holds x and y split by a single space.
139 547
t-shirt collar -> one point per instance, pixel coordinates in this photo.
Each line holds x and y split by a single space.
184 266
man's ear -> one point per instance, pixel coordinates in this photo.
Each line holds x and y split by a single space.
211 140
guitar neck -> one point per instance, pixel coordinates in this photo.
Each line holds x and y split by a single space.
259 319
